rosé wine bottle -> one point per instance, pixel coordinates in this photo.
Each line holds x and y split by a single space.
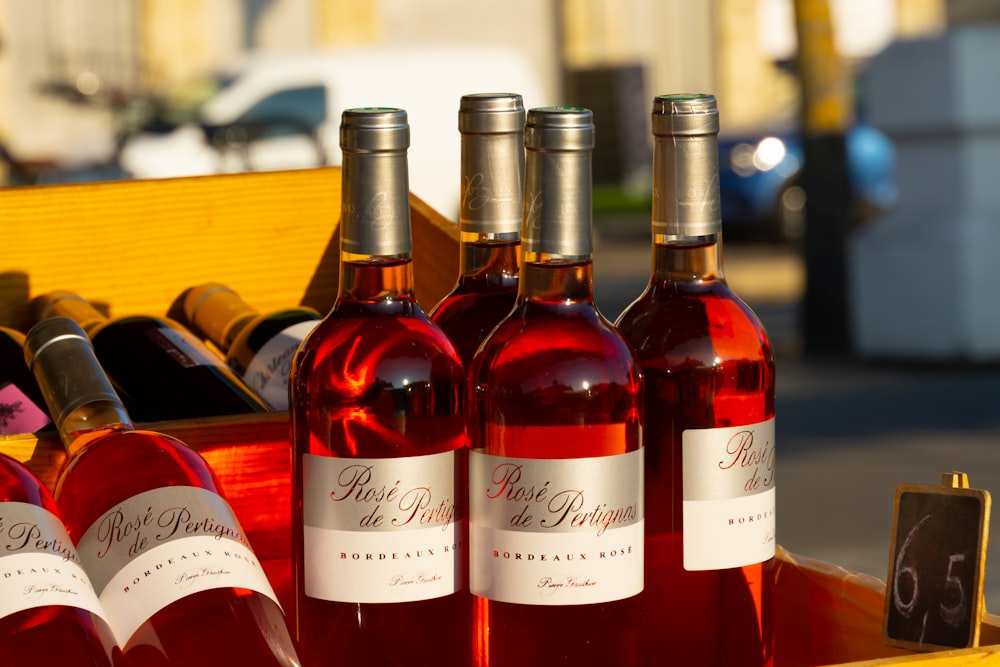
48 608
258 346
171 566
377 401
555 425
709 427
492 128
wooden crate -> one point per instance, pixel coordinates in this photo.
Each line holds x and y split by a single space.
273 237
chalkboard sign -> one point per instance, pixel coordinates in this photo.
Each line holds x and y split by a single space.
934 592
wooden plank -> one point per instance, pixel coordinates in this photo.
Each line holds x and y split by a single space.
983 656
136 245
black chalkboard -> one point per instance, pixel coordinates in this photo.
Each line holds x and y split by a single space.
934 592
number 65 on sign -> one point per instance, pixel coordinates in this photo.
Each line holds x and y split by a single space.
934 591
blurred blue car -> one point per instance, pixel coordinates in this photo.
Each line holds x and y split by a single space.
759 179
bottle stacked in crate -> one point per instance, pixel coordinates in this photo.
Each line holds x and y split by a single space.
159 368
258 346
171 565
709 421
48 608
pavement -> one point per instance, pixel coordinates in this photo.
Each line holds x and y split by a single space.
848 430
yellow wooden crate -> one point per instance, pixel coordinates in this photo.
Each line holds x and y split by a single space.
273 237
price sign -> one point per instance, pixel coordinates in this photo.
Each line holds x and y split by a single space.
934 592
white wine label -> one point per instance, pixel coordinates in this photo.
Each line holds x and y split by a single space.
268 372
38 564
383 530
162 545
556 531
729 494
18 413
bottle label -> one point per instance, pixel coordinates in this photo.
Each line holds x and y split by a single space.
728 496
184 347
38 564
18 413
383 530
556 531
268 372
162 545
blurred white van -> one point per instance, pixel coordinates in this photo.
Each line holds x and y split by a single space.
282 111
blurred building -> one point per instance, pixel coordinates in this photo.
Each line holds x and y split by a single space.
72 71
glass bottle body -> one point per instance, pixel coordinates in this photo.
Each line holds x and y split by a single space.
226 625
706 363
376 380
485 292
259 347
82 637
162 373
555 381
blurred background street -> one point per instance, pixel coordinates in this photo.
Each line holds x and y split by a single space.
857 162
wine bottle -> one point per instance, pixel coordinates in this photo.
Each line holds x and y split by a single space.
555 486
709 371
47 604
170 563
377 404
160 370
259 347
492 130
22 408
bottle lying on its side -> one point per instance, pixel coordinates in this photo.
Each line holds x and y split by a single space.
160 370
170 563
48 606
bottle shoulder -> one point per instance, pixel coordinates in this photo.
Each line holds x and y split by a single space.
473 306
686 317
19 484
351 337
114 465
473 287
533 337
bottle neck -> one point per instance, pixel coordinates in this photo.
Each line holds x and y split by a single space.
371 278
492 183
557 282
557 205
375 208
218 313
688 259
90 422
492 258
687 219
67 304
557 245
686 197
79 395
